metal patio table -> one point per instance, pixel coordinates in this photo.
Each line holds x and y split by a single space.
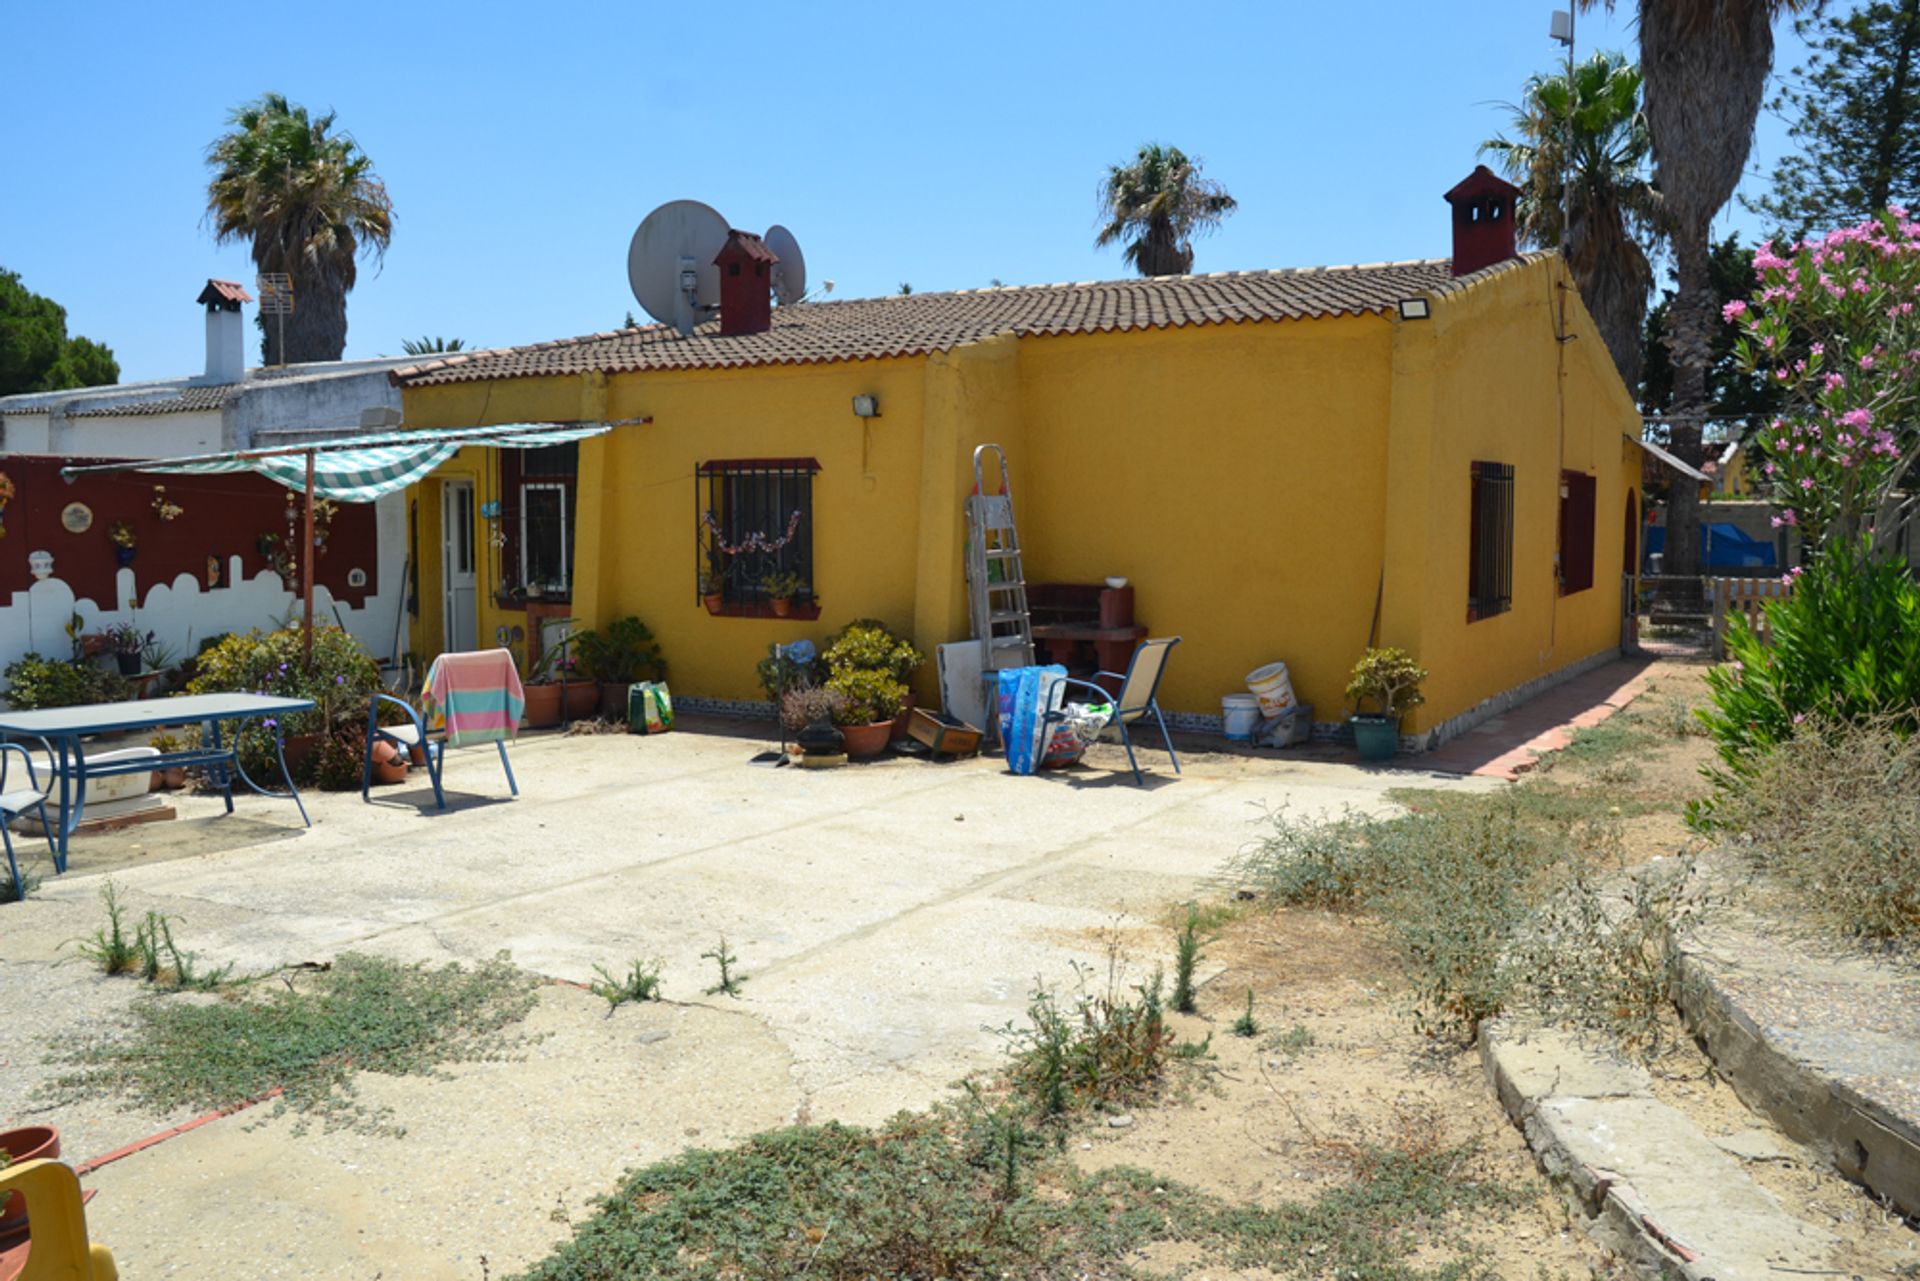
62 730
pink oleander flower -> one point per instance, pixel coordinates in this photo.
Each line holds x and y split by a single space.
1733 310
1857 418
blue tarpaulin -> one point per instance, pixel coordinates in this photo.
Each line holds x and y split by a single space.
1723 546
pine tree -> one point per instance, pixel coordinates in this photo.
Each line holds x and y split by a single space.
1854 108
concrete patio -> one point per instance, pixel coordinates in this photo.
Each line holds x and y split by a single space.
889 915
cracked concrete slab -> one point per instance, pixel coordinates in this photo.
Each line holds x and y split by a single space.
889 917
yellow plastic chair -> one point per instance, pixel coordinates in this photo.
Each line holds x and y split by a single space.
57 1248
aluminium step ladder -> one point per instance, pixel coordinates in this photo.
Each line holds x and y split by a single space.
996 575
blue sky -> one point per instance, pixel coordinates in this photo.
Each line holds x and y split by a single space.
522 143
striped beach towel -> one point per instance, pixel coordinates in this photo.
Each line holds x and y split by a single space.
475 698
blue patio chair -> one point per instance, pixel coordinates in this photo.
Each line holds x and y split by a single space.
1138 697
467 698
31 799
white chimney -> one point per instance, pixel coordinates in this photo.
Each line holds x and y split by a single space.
226 334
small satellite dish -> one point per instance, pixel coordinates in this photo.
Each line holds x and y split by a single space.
790 275
673 248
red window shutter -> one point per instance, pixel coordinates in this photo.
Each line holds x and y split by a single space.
1577 516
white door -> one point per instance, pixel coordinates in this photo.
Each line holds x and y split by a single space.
462 590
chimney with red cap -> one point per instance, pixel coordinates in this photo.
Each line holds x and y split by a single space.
1483 207
226 336
746 284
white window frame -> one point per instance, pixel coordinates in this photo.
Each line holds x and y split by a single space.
566 565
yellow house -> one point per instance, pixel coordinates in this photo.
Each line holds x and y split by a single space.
1285 464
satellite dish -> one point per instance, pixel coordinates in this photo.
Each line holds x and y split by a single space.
790 275
674 245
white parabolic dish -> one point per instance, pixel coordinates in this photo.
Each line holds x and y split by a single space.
790 277
678 229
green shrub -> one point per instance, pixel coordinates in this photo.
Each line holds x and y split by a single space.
1845 646
868 644
36 682
1389 679
1101 1048
341 679
620 653
866 696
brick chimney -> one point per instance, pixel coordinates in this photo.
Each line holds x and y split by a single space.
226 337
746 284
1483 207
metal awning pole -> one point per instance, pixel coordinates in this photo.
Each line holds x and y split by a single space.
306 565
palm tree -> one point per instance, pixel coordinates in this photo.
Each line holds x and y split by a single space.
1614 211
1157 205
1706 64
433 346
309 202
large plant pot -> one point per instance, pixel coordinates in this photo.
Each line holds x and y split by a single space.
904 719
299 749
129 664
28 1143
543 706
613 699
583 700
782 606
867 740
1377 737
389 763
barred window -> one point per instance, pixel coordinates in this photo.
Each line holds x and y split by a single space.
1490 570
754 535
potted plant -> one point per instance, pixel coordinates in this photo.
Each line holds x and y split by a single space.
173 777
124 541
866 663
126 643
780 587
870 643
28 1143
617 656
807 714
558 675
711 593
1389 679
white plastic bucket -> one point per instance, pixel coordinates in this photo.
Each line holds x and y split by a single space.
1240 712
1273 687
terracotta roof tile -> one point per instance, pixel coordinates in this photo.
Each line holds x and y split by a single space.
224 290
914 324
185 401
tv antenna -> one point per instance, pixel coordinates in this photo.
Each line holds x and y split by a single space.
276 299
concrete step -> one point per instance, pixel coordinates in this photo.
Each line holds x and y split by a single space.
1649 1185
1825 1043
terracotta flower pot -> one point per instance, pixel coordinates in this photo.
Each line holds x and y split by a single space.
389 764
867 740
28 1143
583 700
543 706
170 779
613 699
299 747
782 606
416 755
713 601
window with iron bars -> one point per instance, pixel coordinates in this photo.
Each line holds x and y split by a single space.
1490 565
754 536
537 517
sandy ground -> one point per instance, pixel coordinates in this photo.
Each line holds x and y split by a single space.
888 916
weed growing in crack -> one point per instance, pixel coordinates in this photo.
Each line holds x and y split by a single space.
1244 1025
108 946
729 981
1187 955
642 983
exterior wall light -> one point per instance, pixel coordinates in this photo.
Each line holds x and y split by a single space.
1413 309
866 406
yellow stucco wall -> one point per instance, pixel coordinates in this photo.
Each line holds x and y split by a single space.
1267 487
1486 380
1232 474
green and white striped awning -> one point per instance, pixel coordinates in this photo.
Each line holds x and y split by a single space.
359 469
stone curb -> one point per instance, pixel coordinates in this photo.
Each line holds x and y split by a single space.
1643 1179
1846 1091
